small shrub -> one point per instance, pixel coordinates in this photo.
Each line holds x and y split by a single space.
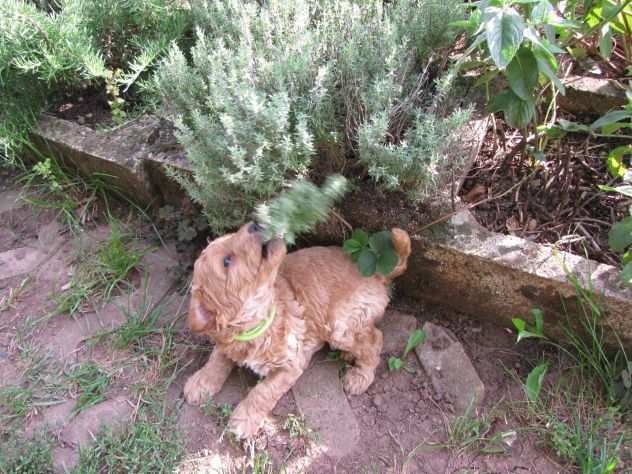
269 83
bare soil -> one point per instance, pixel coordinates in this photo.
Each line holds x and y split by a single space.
402 423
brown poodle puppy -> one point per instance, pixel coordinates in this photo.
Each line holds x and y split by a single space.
271 312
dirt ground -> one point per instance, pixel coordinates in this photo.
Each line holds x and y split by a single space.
399 425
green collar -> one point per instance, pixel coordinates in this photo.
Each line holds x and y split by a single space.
258 330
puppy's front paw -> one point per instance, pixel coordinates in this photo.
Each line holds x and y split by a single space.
356 381
198 388
245 424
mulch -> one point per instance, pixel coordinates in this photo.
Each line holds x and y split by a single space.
556 201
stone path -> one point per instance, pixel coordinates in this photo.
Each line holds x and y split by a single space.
388 421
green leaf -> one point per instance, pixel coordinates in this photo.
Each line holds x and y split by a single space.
538 315
522 74
606 42
610 118
504 32
518 112
547 64
381 241
541 12
519 324
626 274
351 246
394 363
569 126
615 160
626 190
534 381
367 262
361 237
620 236
416 338
387 261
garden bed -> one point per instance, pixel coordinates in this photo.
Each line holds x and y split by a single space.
557 203
496 276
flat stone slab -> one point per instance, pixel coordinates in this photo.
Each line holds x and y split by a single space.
591 95
19 261
113 414
322 401
396 327
453 376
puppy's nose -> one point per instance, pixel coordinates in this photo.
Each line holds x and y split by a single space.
254 227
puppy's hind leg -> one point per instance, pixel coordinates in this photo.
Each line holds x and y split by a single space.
209 380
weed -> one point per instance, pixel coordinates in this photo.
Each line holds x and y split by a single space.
221 413
414 339
9 301
297 428
145 446
91 382
23 456
99 276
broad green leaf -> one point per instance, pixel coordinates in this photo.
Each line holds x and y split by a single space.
626 190
615 161
534 382
387 261
394 363
626 274
522 74
487 77
416 338
627 257
547 64
541 12
504 31
381 242
610 118
620 236
518 112
606 42
367 261
361 237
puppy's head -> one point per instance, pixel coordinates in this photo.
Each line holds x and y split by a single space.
234 272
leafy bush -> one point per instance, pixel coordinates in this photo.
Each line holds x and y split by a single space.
269 83
81 42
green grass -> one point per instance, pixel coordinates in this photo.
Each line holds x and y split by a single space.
20 456
148 446
221 413
99 275
91 383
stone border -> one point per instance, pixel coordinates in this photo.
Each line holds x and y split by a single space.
458 263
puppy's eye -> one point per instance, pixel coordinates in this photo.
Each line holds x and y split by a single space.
227 260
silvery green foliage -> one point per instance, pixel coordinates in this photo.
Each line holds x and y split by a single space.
268 83
417 164
245 106
300 208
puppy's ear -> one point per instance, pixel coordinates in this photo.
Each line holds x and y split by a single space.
199 317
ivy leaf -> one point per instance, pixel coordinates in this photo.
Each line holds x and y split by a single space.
367 262
620 235
504 31
534 381
522 73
